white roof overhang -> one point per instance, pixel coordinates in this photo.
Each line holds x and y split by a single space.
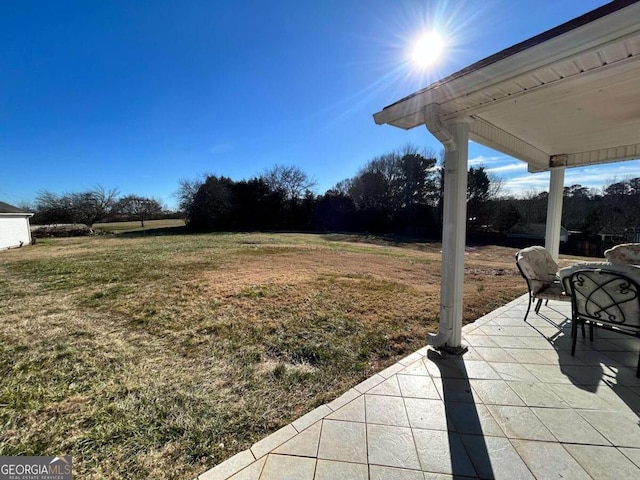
567 97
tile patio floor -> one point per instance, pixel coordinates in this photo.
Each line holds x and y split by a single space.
517 405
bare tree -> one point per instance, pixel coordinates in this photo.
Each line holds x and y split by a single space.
290 180
140 207
79 207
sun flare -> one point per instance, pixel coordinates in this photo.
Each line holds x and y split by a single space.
427 49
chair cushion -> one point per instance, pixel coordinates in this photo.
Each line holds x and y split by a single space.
625 253
553 291
538 266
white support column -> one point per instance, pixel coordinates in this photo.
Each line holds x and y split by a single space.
554 212
454 225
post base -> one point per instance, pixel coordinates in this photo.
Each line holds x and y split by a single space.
459 351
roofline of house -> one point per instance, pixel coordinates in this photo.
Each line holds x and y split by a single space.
566 27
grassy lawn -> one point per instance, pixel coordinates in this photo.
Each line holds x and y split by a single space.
161 356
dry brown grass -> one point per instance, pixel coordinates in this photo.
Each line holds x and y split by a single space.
160 356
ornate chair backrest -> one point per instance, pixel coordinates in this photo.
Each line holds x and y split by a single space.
604 296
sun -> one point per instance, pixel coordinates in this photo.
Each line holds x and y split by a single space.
427 49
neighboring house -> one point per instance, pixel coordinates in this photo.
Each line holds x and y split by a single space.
14 226
534 232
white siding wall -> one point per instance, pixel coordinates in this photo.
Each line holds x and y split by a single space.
13 230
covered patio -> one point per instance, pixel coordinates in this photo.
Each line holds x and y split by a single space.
516 404
565 98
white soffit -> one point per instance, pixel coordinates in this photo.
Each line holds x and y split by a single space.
569 97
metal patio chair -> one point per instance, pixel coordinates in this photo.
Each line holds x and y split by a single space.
604 297
539 270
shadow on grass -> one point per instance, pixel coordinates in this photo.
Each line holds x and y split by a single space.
155 232
393 240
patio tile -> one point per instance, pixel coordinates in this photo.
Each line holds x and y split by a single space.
442 452
343 399
378 472
626 342
519 332
343 441
305 444
621 429
630 396
623 376
579 398
605 463
389 387
285 467
549 460
482 340
417 386
585 375
310 418
495 392
443 367
528 355
509 342
471 353
632 454
621 399
252 472
229 466
548 373
520 423
442 476
385 410
478 369
628 359
392 446
369 383
557 357
537 394
472 418
273 441
454 389
569 427
616 344
392 370
634 389
549 332
513 372
495 457
508 320
416 368
409 359
538 343
351 412
331 470
494 354
425 413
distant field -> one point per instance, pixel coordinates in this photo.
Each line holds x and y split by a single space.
117 227
160 356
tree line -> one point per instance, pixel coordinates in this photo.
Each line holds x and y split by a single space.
398 192
93 206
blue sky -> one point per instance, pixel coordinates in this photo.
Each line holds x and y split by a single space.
136 95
